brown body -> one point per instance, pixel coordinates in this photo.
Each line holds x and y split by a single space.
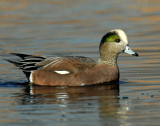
100 73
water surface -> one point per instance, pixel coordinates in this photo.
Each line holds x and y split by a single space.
72 27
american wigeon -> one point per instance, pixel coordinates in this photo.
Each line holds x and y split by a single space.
77 70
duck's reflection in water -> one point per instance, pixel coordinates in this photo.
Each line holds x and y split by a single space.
100 99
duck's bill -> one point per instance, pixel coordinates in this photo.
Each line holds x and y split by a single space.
129 51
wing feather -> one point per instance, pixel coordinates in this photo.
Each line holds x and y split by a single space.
73 64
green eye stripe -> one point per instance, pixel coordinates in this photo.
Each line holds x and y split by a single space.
111 38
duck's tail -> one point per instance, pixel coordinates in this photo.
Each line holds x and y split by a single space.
27 63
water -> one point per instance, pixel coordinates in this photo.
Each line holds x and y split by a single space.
72 27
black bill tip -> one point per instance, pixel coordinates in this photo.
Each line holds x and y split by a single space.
136 54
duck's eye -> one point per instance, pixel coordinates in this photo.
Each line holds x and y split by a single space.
118 40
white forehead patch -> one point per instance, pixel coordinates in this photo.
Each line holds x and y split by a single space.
121 34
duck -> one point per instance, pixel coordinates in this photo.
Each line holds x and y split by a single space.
77 70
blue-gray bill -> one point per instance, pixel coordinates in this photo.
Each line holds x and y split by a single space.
130 51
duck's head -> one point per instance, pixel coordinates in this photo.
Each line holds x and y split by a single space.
113 43
116 41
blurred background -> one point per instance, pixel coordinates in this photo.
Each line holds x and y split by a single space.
72 27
